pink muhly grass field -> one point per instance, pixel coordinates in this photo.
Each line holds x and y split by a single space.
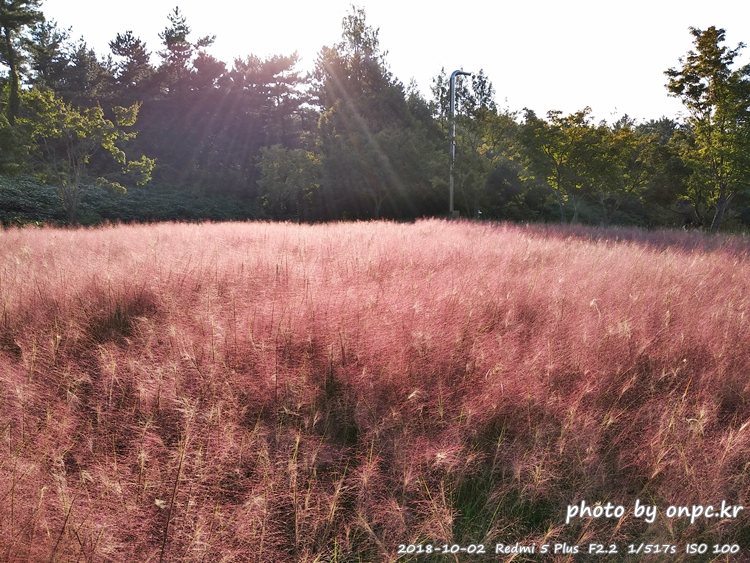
276 392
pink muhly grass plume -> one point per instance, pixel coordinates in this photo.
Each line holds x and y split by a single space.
277 392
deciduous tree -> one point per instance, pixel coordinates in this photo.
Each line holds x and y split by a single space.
564 151
63 140
718 102
289 182
622 168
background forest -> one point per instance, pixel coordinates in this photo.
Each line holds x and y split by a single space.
136 135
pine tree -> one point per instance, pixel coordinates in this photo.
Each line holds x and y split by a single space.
15 15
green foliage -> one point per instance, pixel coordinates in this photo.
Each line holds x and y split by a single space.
488 171
71 69
178 51
488 163
149 204
377 158
206 124
15 16
46 45
718 101
564 151
133 68
623 168
86 81
11 150
289 182
349 140
25 200
668 182
63 140
269 93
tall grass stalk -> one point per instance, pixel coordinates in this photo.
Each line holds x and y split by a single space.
276 392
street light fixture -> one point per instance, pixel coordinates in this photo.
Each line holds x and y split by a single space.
455 73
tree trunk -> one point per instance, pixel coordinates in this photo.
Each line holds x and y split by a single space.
558 194
14 101
721 208
605 211
561 203
70 203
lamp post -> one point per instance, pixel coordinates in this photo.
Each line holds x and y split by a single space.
455 73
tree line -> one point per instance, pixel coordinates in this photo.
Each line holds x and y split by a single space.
350 141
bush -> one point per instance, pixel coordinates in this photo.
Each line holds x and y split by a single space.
25 200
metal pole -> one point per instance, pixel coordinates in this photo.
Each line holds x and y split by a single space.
455 73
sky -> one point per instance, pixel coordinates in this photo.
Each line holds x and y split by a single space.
539 54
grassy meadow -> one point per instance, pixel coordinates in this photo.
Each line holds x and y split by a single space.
292 393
